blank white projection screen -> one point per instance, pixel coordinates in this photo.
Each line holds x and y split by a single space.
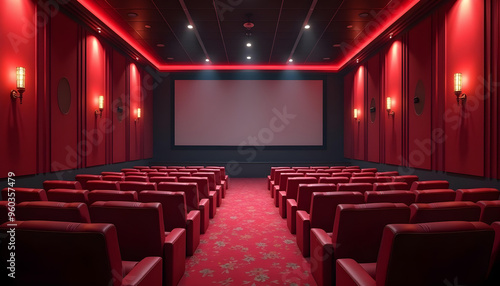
248 112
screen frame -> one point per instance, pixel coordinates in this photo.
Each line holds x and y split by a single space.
248 75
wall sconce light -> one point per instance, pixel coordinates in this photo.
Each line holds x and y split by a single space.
20 84
356 114
101 106
139 114
457 79
389 106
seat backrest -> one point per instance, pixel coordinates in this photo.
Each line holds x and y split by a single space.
438 253
390 186
189 170
179 174
158 167
53 211
405 197
60 253
106 173
132 178
201 182
324 205
357 229
108 195
371 170
389 173
490 211
173 204
125 170
370 180
435 196
24 194
176 167
157 174
113 178
494 277
316 175
162 179
189 189
444 211
138 173
141 167
130 220
83 178
137 186
478 194
409 179
102 185
305 192
56 184
363 174
284 179
168 170
149 170
429 185
293 185
333 180
210 176
354 187
278 172
383 179
68 196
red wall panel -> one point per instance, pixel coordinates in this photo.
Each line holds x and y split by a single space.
420 141
147 84
373 92
18 130
358 103
119 83
348 122
95 129
63 65
136 134
393 89
464 124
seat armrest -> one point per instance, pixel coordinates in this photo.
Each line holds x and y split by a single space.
212 196
174 256
275 191
218 190
322 257
148 272
291 209
282 203
303 228
204 207
192 232
351 273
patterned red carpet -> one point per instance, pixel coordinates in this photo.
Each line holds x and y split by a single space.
247 243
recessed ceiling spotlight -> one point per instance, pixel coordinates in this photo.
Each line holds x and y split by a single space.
249 58
160 45
132 14
363 14
249 44
336 45
207 60
307 27
390 35
147 26
349 26
290 60
190 26
99 30
357 60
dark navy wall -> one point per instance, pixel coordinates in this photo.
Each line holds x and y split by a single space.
250 162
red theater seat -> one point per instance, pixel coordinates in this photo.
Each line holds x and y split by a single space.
157 174
407 256
283 185
83 178
179 174
333 180
390 186
291 191
143 174
276 180
126 170
478 194
370 180
188 170
357 232
193 201
212 186
321 214
405 197
223 176
107 195
342 174
363 174
68 196
219 181
56 184
389 173
137 186
409 179
494 276
434 196
203 192
158 167
354 187
371 170
113 178
162 179
24 194
303 201
53 211
137 179
102 185
444 211
175 215
112 173
129 219
72 254
490 211
149 170
429 185
315 175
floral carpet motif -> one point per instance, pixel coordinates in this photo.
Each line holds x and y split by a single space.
247 243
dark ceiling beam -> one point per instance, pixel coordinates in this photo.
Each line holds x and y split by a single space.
299 36
276 31
188 16
220 30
